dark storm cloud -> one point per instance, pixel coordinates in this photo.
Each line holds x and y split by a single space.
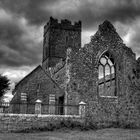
30 9
123 11
93 12
89 11
17 51
134 33
14 51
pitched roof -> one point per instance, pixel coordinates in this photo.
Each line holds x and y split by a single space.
37 68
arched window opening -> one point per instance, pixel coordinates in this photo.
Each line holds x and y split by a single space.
106 76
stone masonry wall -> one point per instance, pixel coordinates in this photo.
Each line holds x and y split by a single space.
35 87
20 122
84 72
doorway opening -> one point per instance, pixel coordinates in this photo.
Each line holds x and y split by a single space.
61 105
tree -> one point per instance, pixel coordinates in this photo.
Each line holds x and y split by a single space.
4 85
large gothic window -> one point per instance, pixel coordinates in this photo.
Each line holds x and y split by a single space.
106 76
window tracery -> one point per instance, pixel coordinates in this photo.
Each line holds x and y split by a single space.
106 76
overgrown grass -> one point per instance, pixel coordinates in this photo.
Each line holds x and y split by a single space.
67 134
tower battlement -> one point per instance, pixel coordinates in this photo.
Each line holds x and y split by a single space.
63 24
58 37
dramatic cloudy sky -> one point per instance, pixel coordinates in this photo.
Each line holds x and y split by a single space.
21 27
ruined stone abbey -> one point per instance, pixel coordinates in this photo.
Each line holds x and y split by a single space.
104 74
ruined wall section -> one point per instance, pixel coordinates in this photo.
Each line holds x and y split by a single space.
81 74
85 72
125 109
129 108
107 39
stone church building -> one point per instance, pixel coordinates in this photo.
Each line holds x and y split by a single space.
104 74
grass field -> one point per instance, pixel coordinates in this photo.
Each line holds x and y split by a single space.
65 134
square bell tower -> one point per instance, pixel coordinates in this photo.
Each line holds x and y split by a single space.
58 36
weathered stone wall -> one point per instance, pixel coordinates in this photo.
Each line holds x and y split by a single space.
84 72
37 85
61 75
78 77
20 122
